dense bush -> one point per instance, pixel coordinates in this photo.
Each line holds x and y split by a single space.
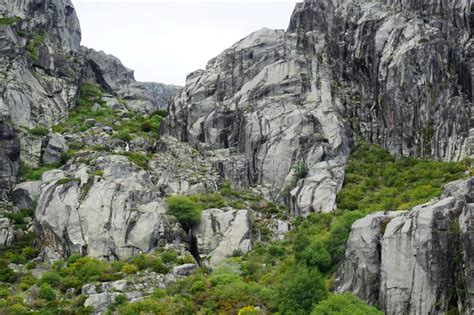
300 289
343 304
39 131
187 211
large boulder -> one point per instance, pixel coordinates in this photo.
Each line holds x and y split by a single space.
360 271
222 233
113 215
7 232
55 149
25 195
417 262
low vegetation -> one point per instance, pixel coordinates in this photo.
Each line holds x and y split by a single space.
28 173
6 21
291 276
34 44
92 110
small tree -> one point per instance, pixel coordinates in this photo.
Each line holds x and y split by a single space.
185 210
301 288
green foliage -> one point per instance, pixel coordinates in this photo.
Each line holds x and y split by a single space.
5 21
39 131
6 273
300 289
138 158
34 44
129 269
301 170
34 174
123 135
18 218
46 292
64 181
51 278
187 211
377 181
165 306
343 304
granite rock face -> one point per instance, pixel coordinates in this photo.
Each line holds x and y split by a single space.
223 232
7 232
112 216
417 262
251 112
9 157
109 72
381 71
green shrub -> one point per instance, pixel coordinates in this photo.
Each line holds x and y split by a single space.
27 281
33 45
301 170
46 292
139 159
51 278
343 304
169 256
129 269
6 273
301 288
124 136
30 252
35 174
377 181
64 181
187 211
159 267
39 131
5 21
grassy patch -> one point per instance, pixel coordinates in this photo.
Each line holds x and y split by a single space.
377 181
34 174
34 44
9 20
39 131
64 181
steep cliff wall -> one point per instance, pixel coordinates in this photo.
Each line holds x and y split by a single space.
415 262
394 73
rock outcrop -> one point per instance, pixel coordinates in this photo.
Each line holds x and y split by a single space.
394 73
7 232
251 112
111 214
109 72
9 157
223 233
42 68
417 262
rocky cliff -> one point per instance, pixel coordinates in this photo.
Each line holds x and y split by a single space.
394 73
414 262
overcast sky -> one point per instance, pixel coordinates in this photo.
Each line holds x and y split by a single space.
163 41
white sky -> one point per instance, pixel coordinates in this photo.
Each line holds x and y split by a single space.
163 41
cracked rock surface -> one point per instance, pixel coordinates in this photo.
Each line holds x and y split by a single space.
415 262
